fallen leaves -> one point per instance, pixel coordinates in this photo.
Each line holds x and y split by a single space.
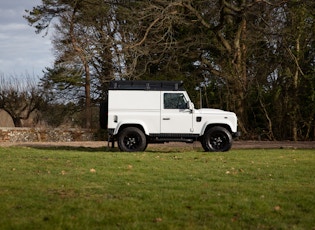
158 219
234 171
63 172
277 208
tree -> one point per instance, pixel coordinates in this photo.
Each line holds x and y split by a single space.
297 68
77 50
284 82
252 57
215 38
20 99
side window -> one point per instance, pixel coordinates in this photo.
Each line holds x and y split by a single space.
174 101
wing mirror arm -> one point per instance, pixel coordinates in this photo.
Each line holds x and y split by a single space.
190 106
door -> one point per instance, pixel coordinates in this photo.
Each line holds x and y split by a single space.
176 117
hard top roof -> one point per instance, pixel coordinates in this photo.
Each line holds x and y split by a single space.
146 85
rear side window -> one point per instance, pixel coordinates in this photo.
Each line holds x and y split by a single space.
175 101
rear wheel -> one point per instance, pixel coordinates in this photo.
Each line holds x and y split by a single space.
217 139
132 139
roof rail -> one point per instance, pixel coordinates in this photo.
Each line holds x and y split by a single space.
146 85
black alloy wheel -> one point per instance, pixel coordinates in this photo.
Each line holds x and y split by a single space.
217 139
132 139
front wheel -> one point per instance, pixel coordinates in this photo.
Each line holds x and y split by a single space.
217 139
132 139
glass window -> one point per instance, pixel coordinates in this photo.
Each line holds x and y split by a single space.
175 101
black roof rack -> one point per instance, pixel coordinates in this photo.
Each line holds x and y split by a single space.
146 85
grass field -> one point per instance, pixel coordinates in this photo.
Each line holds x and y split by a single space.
86 188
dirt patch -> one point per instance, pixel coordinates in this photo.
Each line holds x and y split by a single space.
236 144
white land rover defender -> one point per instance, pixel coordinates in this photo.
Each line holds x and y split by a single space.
142 112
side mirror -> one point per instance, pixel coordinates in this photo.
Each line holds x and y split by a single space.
190 105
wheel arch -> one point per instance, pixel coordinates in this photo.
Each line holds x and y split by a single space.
209 126
125 125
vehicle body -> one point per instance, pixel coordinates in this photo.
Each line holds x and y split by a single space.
142 112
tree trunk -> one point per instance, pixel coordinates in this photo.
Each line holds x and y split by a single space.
17 121
295 106
88 112
240 74
85 63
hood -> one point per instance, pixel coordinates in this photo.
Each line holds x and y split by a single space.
213 111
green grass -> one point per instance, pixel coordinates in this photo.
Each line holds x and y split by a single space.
82 188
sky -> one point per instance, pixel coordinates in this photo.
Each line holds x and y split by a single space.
22 51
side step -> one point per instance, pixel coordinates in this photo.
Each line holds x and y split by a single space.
163 140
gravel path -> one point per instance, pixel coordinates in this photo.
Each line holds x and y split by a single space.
236 144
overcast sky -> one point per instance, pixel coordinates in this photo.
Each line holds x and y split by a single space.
22 51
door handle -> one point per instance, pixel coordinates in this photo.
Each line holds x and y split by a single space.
166 118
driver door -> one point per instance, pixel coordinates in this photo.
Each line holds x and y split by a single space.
176 117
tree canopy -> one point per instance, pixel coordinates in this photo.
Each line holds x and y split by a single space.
254 57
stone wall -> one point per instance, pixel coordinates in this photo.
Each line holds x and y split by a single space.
45 135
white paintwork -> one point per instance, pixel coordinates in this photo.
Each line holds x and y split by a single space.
146 108
134 107
176 120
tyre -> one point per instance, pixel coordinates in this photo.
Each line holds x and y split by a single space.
217 139
132 139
